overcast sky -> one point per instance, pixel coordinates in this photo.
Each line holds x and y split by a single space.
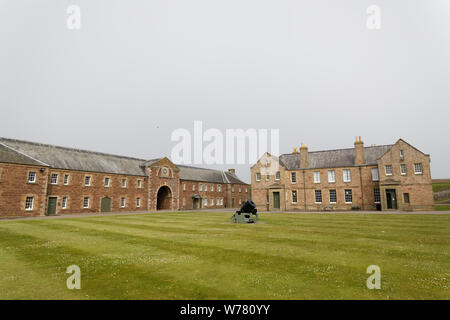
138 70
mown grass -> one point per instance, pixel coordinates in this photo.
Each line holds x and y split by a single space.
442 207
441 186
200 255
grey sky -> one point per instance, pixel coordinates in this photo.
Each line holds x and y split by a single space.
137 70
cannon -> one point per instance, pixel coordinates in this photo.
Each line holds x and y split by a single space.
247 213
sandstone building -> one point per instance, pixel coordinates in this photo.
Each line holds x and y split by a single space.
39 179
388 177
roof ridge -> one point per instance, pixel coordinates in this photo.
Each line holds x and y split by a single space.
67 148
318 151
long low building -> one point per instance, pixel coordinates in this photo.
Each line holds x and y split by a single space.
388 177
40 179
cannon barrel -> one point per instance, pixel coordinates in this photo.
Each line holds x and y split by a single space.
247 213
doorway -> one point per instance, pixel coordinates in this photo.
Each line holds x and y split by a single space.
164 198
106 205
391 199
51 210
276 200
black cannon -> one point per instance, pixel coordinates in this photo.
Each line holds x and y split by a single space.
247 213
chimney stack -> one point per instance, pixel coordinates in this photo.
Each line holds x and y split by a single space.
359 151
233 171
304 163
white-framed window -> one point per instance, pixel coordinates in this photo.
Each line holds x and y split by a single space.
29 203
31 177
87 181
139 183
418 168
184 186
219 188
218 201
212 201
205 202
206 188
402 155
107 182
138 202
347 175
54 178
293 177
294 196
193 187
258 176
318 196
64 203
348 195
333 197
124 183
200 187
403 169
66 179
388 170
375 175
212 188
277 175
86 202
376 195
316 176
246 190
123 202
240 201
331 176
267 176
232 188
240 189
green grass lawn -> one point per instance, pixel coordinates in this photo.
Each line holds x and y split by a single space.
442 207
441 186
200 255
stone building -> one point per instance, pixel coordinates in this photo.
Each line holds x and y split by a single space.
388 177
39 179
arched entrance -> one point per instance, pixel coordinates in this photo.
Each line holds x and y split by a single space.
164 198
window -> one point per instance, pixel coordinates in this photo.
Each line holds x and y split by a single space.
54 178
124 183
375 176
348 196
333 196
139 183
376 195
219 188
212 201
318 196
406 197
31 177
402 155
29 202
240 201
246 190
193 187
122 202
240 189
200 187
316 176
232 188
212 188
418 168
64 203
206 187
66 179
258 176
138 202
107 181
331 176
184 186
267 177
388 170
205 202
347 175
277 175
184 201
293 177
86 202
87 181
294 196
403 169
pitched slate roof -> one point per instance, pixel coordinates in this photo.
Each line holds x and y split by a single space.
75 159
208 175
333 158
32 153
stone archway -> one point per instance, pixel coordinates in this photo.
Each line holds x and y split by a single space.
164 198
